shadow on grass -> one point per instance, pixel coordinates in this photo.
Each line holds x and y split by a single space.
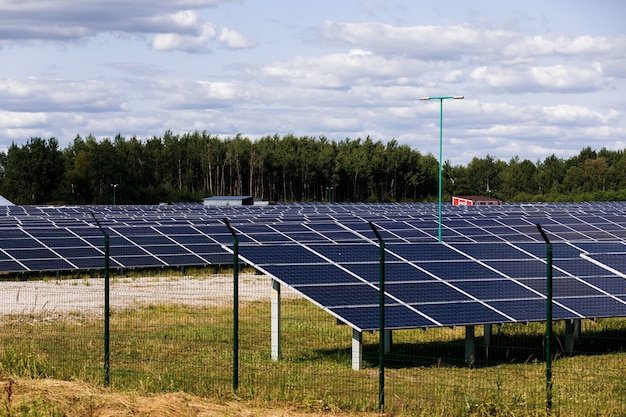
504 349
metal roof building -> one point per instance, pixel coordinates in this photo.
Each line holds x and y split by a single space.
228 201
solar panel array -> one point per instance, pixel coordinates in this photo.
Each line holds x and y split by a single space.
490 269
430 284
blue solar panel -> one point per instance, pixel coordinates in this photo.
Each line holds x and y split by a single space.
358 294
563 287
601 306
396 317
496 251
183 259
424 252
531 309
394 272
460 271
579 267
47 264
611 284
80 252
279 254
529 268
502 289
612 261
463 313
329 253
425 293
321 274
347 253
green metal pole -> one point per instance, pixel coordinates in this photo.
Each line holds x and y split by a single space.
381 318
548 353
440 164
235 305
441 99
114 189
107 351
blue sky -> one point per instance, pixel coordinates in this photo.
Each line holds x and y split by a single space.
539 77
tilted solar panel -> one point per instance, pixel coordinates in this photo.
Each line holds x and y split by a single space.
491 267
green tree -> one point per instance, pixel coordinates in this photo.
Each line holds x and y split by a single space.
33 173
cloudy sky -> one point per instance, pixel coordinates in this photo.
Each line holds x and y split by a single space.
539 77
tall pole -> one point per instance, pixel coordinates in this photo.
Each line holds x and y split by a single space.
548 318
440 167
114 188
107 309
381 318
235 305
441 99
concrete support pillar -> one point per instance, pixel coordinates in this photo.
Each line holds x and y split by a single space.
388 340
357 350
275 307
470 346
572 333
487 333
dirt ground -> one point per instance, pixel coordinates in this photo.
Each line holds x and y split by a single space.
21 396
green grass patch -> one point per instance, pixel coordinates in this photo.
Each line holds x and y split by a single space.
168 348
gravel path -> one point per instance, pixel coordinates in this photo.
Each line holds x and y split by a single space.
86 296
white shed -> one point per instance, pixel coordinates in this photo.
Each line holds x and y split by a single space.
222 200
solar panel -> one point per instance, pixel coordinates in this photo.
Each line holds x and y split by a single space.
490 269
467 281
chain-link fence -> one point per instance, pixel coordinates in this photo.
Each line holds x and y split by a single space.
175 330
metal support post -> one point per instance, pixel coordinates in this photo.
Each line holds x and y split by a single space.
107 309
548 318
381 319
470 346
235 305
275 300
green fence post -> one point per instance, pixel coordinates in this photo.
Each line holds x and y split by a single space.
548 318
235 305
381 318
107 352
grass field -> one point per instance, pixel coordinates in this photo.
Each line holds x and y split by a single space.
158 349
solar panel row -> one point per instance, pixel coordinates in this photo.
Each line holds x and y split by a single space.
490 269
410 222
441 285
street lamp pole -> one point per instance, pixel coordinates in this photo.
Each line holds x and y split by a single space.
441 99
114 188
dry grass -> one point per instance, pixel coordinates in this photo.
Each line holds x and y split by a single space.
23 396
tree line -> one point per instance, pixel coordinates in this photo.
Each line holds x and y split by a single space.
191 166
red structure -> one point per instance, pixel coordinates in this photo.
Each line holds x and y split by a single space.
475 200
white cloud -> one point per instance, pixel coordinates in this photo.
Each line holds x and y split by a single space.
197 94
453 76
18 120
568 114
424 42
178 42
342 70
540 78
54 95
541 45
175 25
235 40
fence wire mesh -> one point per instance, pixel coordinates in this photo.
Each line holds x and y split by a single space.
172 330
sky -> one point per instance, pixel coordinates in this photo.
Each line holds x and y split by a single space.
538 77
